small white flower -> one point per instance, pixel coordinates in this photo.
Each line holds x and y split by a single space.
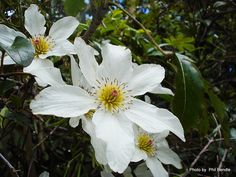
114 84
154 149
53 44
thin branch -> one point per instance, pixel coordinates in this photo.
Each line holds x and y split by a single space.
165 53
221 162
98 15
198 156
46 137
13 170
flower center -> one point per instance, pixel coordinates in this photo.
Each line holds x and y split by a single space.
111 96
146 143
41 45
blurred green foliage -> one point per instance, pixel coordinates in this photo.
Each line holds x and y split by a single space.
202 74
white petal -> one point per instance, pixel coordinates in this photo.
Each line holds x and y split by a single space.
145 78
156 167
138 155
62 101
76 73
153 119
98 145
74 121
87 63
167 156
34 21
44 174
161 90
45 72
117 133
61 48
38 63
159 137
78 78
8 35
117 62
63 28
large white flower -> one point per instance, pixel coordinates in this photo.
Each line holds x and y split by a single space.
154 149
115 83
53 44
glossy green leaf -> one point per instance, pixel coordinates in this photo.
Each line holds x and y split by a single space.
21 51
188 99
73 7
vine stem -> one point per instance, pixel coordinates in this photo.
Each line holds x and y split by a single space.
98 15
2 61
14 74
165 53
13 170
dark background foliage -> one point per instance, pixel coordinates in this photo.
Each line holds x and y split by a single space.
202 74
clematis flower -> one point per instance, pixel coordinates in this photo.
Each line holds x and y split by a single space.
53 44
154 149
115 83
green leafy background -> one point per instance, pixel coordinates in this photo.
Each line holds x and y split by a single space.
201 74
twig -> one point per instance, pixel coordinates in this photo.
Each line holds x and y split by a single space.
13 170
2 61
198 156
46 137
98 15
165 53
221 162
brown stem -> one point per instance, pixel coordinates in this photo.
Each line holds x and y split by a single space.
98 15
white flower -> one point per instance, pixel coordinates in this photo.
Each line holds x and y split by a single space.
154 149
44 174
115 83
53 44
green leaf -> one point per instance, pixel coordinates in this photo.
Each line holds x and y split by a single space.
21 51
73 7
181 42
189 95
220 110
218 105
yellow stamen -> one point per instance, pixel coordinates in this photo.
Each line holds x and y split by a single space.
41 45
146 143
111 96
